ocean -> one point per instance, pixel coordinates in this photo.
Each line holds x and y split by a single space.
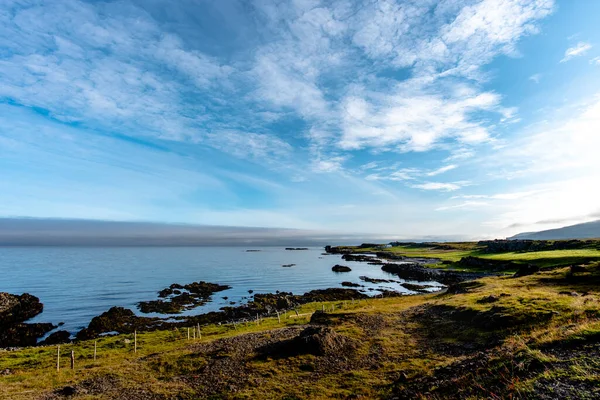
77 283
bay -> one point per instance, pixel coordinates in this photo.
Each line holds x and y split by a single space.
77 283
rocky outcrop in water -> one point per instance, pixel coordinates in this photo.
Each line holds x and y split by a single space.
358 257
118 320
341 268
57 337
181 297
14 311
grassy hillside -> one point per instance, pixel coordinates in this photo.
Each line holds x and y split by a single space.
499 337
452 253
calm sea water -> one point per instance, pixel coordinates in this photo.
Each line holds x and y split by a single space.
77 283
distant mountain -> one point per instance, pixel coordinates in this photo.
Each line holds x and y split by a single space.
588 230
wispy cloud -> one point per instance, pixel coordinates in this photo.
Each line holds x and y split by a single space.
578 50
595 61
441 170
464 205
535 78
447 187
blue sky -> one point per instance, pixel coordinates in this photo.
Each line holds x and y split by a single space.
400 118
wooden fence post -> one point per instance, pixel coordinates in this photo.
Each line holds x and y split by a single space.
199 331
278 318
58 358
95 345
72 359
135 341
188 333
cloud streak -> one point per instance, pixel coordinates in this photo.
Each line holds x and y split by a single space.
576 51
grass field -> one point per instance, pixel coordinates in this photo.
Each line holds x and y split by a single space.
541 258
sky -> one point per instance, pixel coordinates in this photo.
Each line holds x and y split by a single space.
407 118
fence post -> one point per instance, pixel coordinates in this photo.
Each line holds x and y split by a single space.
72 359
58 358
135 341
95 344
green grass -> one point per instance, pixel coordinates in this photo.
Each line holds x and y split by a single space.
548 258
459 250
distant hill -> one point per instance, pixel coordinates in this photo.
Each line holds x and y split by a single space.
588 230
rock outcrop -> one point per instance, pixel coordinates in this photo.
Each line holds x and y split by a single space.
14 311
181 297
341 268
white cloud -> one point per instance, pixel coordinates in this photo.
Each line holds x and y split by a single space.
441 170
499 196
535 78
332 164
447 187
403 174
578 50
595 61
403 119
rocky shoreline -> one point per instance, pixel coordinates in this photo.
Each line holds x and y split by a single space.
15 310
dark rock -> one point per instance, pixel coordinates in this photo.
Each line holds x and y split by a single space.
67 391
358 257
415 272
288 265
296 248
374 280
350 284
321 341
21 335
196 294
337 250
415 288
15 308
341 268
252 251
492 298
316 340
120 320
387 255
577 269
14 311
332 294
525 270
57 338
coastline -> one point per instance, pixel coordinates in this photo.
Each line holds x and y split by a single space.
504 334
